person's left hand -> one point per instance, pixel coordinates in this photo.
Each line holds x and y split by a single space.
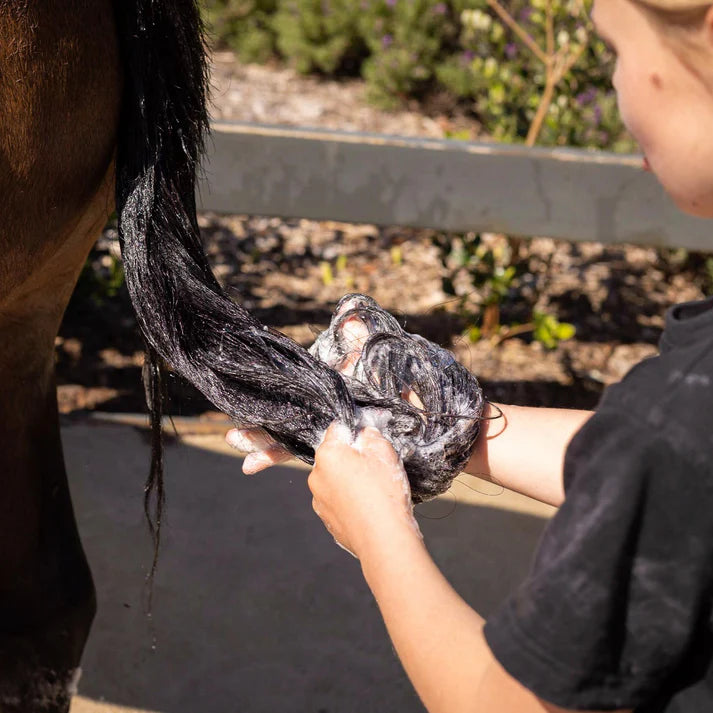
261 450
360 489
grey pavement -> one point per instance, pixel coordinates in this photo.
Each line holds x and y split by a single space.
255 610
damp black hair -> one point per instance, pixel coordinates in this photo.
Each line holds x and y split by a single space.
254 374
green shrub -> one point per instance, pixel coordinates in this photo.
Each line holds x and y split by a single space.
243 25
407 48
505 80
406 39
319 35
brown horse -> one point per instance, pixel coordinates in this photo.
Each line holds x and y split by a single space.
64 70
103 105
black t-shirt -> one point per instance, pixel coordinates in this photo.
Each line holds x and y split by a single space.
617 609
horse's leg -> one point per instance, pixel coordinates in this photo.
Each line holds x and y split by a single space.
59 96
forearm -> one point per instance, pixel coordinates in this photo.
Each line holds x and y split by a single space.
437 636
524 450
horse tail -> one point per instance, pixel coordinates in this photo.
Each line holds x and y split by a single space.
249 372
163 125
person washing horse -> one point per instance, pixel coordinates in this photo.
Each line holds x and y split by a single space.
103 106
617 611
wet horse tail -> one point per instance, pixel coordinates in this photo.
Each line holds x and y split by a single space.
162 129
253 374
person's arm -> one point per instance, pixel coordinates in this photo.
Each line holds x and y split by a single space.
438 637
359 494
524 450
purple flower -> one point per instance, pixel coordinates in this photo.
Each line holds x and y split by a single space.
586 97
391 3
387 41
597 115
468 56
511 50
440 8
525 14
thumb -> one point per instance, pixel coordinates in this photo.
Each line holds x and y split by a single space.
337 433
370 442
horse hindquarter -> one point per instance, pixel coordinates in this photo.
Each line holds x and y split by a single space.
59 103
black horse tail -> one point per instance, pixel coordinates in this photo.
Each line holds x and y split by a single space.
253 374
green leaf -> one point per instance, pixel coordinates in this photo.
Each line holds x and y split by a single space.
327 274
565 331
474 334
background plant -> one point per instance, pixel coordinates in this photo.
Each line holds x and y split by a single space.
492 61
536 73
532 72
243 25
321 35
407 40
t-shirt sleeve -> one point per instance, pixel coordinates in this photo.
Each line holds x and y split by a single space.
620 588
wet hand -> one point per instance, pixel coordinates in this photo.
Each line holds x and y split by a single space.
262 451
360 489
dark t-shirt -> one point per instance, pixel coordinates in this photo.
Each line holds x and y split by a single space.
617 609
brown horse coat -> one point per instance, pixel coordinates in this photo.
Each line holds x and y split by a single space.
60 87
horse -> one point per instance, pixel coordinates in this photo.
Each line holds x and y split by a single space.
103 106
94 94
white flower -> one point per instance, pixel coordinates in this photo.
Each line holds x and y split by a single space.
563 38
476 20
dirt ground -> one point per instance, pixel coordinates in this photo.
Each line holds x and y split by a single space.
614 296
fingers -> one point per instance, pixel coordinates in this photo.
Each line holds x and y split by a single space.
355 333
262 451
370 442
259 460
337 433
408 394
249 439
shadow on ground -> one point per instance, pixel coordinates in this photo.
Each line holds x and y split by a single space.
255 609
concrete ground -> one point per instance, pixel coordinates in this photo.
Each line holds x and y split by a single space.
255 609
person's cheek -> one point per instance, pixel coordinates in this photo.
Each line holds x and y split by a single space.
632 110
622 98
615 75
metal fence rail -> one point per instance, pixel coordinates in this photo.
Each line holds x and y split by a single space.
442 184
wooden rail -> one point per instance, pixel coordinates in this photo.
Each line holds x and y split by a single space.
443 184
